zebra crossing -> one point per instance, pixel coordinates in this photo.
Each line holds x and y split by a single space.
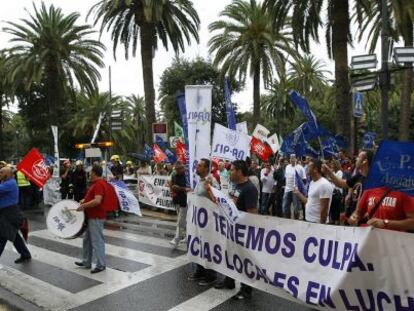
143 273
51 281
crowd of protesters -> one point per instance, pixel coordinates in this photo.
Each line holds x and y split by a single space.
328 191
325 191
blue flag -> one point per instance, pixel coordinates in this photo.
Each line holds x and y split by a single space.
287 145
299 184
149 153
393 166
171 156
303 106
309 151
341 141
183 113
330 149
160 142
231 116
49 160
369 140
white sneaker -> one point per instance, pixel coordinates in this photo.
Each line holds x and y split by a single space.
174 242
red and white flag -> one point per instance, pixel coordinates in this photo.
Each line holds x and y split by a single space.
181 152
34 167
159 155
262 150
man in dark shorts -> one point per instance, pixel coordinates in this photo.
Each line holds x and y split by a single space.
245 197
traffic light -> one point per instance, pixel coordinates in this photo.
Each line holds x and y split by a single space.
102 144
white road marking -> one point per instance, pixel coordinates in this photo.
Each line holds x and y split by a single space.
206 300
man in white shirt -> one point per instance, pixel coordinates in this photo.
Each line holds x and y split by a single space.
266 177
289 197
319 195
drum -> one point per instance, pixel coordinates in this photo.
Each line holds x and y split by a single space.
64 221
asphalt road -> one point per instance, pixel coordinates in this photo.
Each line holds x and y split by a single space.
144 273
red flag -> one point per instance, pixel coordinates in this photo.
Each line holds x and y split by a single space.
181 152
262 150
34 167
159 155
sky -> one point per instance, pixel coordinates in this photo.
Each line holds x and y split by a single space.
127 74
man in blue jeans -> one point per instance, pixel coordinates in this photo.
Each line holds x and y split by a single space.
292 171
95 204
11 217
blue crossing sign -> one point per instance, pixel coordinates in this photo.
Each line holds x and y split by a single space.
358 104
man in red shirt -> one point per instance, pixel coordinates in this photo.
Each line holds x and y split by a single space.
95 204
395 212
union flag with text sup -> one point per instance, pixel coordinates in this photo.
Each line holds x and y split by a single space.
34 167
262 150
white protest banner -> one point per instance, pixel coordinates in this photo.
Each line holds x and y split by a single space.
198 106
154 191
273 142
260 132
127 201
229 144
242 127
325 267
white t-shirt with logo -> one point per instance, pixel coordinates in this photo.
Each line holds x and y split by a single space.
321 189
290 176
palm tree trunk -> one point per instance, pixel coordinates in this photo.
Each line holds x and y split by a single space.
256 96
405 113
147 37
53 98
340 53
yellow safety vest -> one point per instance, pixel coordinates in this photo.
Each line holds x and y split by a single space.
21 180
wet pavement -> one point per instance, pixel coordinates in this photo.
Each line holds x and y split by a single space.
143 273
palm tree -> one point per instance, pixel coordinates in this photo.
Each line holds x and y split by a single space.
277 105
402 17
306 21
89 106
249 43
135 106
308 75
6 91
50 48
145 21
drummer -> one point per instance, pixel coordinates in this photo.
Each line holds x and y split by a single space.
97 200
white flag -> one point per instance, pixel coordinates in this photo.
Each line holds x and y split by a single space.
56 147
229 144
260 132
242 127
273 141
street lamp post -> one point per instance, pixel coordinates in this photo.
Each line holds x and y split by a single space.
384 76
